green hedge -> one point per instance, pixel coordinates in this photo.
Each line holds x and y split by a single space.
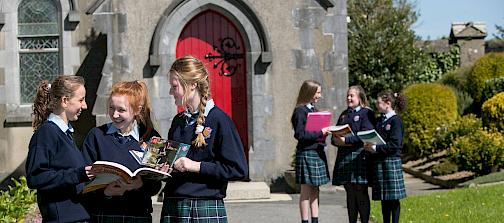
489 66
464 125
492 87
430 106
481 152
16 202
492 112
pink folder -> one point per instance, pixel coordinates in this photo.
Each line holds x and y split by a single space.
316 121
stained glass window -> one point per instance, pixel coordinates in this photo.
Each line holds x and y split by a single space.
39 37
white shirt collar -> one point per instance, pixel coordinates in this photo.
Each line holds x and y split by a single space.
309 106
209 105
135 131
389 114
60 123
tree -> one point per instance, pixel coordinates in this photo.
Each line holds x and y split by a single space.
381 47
500 32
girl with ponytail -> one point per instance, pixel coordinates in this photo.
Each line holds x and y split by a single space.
129 109
198 185
54 166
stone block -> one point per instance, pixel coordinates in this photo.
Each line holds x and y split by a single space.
247 191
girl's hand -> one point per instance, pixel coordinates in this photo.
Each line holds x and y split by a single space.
114 189
325 131
369 147
185 164
89 172
338 140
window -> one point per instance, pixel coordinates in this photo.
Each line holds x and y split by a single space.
39 42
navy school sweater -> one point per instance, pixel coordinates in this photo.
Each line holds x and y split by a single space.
55 167
307 140
361 120
222 159
392 132
99 145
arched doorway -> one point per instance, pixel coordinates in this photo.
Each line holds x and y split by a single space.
216 41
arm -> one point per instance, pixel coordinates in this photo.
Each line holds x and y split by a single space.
89 148
298 123
394 141
39 172
229 161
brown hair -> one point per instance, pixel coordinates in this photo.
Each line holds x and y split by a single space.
397 100
306 92
138 98
361 93
48 96
190 70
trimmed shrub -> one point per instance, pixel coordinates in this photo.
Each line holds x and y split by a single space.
16 202
464 125
492 87
464 101
489 66
429 106
444 167
492 112
481 152
456 78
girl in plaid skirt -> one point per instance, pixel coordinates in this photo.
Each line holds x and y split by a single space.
198 184
351 168
311 161
388 181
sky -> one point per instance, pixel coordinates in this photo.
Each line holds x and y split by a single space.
436 16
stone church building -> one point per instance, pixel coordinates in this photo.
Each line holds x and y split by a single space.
257 51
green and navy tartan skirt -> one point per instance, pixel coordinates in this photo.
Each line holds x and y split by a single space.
351 166
119 219
311 167
388 181
180 210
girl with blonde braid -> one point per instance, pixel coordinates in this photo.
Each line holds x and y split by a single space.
198 184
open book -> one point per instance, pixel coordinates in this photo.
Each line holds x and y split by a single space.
341 130
158 160
107 172
160 153
371 136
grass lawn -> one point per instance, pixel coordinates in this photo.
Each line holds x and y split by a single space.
478 204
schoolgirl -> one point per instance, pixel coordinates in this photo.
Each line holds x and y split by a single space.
311 161
129 109
388 181
198 185
351 167
54 166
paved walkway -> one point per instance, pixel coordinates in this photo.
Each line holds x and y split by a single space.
285 208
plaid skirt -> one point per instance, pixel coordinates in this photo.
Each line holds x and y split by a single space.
388 181
311 167
177 210
119 219
351 166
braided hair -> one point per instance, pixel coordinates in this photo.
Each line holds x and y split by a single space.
190 70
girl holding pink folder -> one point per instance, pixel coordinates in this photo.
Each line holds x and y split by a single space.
311 161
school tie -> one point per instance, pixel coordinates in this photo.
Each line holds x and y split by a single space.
123 139
69 134
190 118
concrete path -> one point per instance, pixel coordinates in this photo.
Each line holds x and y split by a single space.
284 207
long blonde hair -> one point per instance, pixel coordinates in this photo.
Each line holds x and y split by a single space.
306 92
49 95
138 98
190 70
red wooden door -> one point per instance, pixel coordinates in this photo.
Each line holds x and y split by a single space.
216 41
